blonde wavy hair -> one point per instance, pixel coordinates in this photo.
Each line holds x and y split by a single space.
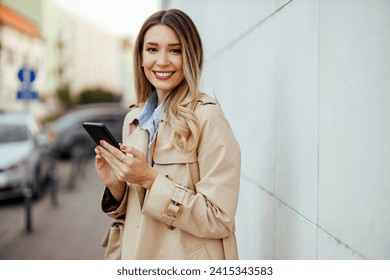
181 101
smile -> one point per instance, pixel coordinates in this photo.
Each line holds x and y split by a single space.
163 75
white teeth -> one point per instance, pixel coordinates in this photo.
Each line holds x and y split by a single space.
163 74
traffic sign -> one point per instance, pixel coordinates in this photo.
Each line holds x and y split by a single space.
26 75
27 94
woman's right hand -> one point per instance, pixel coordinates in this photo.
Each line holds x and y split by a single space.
108 176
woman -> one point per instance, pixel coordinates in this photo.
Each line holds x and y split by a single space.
172 188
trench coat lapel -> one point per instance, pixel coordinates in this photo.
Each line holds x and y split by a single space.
139 140
162 150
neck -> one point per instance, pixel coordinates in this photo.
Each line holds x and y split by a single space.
160 97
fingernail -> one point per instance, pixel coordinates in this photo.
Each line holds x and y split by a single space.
101 142
123 148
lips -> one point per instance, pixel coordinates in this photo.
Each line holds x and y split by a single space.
163 75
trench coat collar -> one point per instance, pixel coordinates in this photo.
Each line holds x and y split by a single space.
203 100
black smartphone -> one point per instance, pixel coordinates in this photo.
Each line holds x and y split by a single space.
99 131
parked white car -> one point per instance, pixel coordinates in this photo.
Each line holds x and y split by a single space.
25 155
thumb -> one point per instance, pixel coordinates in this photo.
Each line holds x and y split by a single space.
133 151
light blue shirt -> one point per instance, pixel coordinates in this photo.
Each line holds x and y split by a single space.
149 119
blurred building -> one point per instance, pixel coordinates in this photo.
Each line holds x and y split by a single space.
92 57
21 44
127 75
63 49
305 85
53 25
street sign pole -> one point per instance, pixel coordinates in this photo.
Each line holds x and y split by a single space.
26 76
26 104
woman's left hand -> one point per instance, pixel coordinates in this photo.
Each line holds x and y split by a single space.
129 164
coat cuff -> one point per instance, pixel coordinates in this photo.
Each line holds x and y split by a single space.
111 206
159 200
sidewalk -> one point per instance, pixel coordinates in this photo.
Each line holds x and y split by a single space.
71 231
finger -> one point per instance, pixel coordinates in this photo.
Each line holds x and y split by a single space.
98 157
97 152
123 157
99 163
111 158
119 166
113 150
116 165
132 151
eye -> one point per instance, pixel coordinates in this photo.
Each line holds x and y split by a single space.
176 51
151 50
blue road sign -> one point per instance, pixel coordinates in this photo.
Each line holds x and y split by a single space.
26 75
27 94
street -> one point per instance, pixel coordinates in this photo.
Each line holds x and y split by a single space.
70 230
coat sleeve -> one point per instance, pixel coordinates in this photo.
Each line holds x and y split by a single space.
114 209
209 211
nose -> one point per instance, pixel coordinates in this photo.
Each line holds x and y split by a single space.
162 59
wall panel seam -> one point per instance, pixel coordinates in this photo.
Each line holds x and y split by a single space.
262 188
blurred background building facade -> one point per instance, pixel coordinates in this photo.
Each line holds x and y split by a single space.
21 44
305 85
64 50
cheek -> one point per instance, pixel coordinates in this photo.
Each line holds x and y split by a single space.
179 63
148 73
147 59
145 62
147 67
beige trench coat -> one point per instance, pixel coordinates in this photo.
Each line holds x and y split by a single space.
201 224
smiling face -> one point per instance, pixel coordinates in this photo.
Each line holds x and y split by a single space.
162 59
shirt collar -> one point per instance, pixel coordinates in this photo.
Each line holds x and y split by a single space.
148 110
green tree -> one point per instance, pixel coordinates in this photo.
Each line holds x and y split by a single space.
63 94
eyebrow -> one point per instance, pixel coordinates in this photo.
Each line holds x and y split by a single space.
156 44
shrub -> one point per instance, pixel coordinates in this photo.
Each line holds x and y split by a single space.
96 96
63 94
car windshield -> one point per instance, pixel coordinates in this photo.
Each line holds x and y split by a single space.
13 133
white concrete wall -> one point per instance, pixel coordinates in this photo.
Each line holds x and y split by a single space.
306 89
